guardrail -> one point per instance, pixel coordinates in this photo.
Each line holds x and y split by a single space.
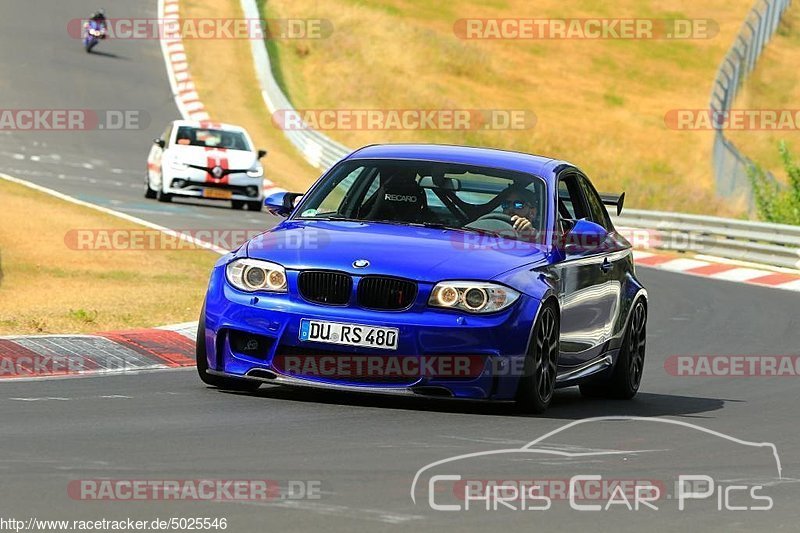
730 165
757 242
318 149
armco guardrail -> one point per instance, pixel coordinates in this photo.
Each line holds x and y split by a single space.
319 150
757 242
770 244
730 165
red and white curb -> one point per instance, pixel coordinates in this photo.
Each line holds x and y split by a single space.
117 352
779 279
180 78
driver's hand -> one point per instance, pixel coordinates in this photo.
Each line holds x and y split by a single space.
521 224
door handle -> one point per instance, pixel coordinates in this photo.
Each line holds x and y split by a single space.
606 266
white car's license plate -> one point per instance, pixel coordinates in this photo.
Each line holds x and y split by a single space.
348 334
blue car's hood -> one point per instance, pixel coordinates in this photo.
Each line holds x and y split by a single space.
406 251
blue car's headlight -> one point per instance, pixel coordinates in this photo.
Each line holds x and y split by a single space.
472 296
255 275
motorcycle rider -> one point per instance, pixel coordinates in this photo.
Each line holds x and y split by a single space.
99 20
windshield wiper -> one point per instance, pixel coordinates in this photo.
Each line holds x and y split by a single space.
438 225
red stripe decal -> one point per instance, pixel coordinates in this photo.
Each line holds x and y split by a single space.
710 270
653 260
779 278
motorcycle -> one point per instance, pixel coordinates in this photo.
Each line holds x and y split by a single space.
94 32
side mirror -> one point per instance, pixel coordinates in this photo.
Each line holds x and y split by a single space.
160 142
261 153
282 203
584 236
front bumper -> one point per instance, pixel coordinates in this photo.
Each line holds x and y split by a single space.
237 187
495 344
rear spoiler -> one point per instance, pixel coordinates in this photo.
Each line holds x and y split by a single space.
614 199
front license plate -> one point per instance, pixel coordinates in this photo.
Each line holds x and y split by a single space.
217 193
348 334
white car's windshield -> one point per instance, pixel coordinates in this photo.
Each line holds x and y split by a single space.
211 138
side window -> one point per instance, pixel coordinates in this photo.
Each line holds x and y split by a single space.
571 203
337 194
597 211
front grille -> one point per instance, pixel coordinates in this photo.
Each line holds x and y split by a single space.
332 288
376 292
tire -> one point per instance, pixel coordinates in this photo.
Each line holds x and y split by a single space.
237 204
220 382
148 192
537 384
255 206
623 384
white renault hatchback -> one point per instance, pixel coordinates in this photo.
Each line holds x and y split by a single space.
206 160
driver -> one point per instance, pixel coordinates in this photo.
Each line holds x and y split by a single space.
523 207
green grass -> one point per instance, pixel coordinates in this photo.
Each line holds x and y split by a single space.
599 103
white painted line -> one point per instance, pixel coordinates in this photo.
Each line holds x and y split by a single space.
117 214
791 286
682 264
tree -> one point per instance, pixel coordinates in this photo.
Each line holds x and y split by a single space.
774 201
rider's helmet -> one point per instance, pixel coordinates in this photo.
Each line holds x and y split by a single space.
99 14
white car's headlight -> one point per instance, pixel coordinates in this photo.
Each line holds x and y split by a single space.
256 172
177 165
253 275
472 296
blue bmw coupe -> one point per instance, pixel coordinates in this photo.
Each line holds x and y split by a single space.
439 271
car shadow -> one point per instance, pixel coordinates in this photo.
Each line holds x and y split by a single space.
567 403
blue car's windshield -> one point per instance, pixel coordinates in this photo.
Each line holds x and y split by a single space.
463 197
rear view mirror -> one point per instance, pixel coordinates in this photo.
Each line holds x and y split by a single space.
282 203
584 236
261 153
440 182
159 142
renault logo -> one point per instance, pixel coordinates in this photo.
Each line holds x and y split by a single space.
216 172
360 263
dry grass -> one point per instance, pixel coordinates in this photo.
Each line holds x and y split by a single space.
599 103
775 84
46 287
223 73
